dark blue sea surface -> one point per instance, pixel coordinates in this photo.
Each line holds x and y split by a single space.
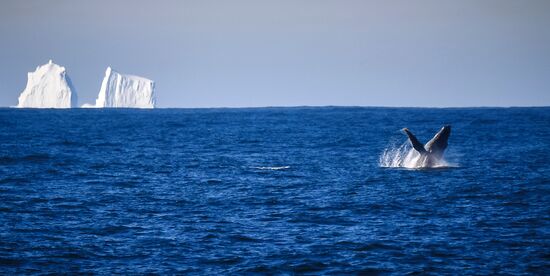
272 190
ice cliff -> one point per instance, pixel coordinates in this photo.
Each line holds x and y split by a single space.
48 87
119 90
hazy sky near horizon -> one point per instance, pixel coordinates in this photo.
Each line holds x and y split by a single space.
238 53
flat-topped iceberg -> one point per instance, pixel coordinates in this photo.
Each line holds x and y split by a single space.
48 87
119 90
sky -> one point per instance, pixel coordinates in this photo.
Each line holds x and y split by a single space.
239 53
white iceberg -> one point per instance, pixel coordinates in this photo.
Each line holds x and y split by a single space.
119 90
48 87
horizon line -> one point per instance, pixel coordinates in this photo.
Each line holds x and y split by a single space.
304 106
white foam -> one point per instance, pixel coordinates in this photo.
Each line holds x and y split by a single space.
273 168
405 156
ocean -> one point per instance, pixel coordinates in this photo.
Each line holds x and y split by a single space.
272 191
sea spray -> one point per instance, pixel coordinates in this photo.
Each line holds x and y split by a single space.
404 156
396 156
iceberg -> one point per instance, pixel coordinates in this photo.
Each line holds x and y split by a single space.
48 86
119 90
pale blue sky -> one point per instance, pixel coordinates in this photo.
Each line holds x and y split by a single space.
286 53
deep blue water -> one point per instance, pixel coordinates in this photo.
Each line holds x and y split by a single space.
272 190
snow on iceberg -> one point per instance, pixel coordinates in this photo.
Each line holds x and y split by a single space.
48 87
119 90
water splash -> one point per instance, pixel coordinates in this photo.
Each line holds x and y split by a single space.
404 156
396 157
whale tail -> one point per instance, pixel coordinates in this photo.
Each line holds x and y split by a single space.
414 141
